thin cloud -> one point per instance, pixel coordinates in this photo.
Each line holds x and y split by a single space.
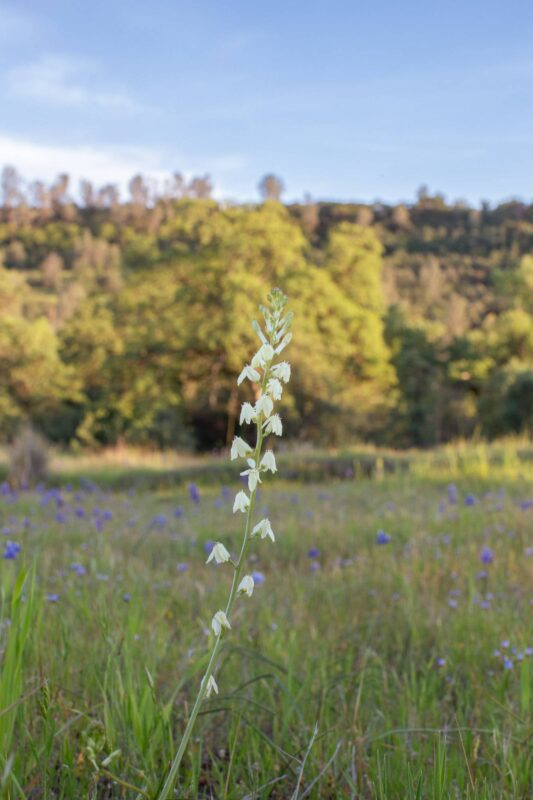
58 80
104 165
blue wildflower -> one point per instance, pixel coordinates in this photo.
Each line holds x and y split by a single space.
178 512
80 512
12 550
314 552
126 597
52 597
441 662
507 663
258 577
382 537
79 569
487 556
182 567
470 500
194 492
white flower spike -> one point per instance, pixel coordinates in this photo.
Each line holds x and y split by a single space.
219 622
242 502
269 376
240 448
246 586
250 373
265 529
247 413
268 462
219 554
273 425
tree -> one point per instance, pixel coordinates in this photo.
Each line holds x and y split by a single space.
271 187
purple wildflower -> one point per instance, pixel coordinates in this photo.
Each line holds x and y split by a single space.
487 556
382 537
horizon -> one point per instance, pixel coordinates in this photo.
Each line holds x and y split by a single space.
346 103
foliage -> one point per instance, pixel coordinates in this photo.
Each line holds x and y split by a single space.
389 648
124 321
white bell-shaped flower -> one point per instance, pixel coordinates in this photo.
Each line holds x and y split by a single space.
264 405
282 371
211 686
274 388
247 413
246 586
242 502
273 425
264 528
218 554
268 462
254 476
264 356
218 622
239 448
250 373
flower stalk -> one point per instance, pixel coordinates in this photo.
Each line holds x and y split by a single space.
269 377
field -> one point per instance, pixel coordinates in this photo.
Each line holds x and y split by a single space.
387 651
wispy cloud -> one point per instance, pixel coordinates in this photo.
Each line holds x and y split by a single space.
58 80
99 164
103 164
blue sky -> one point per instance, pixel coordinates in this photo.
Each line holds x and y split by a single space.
344 100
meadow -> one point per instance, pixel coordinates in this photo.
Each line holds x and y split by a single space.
387 651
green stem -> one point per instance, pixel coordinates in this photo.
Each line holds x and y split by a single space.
173 773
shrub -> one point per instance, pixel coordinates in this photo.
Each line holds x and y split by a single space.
28 459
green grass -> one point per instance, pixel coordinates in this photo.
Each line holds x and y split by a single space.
95 689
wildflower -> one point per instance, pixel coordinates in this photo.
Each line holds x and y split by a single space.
273 425
79 569
264 405
253 475
126 597
247 413
107 515
470 500
274 388
268 462
182 567
219 554
441 662
80 512
528 651
382 537
239 448
505 644
246 586
487 556
314 552
12 550
211 686
507 663
258 578
52 597
250 373
160 520
283 344
218 622
452 493
194 493
264 355
452 603
178 512
241 502
282 371
208 546
265 529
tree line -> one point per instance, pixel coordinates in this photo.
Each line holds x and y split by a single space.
127 319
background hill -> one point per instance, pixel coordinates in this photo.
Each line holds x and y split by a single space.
128 320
